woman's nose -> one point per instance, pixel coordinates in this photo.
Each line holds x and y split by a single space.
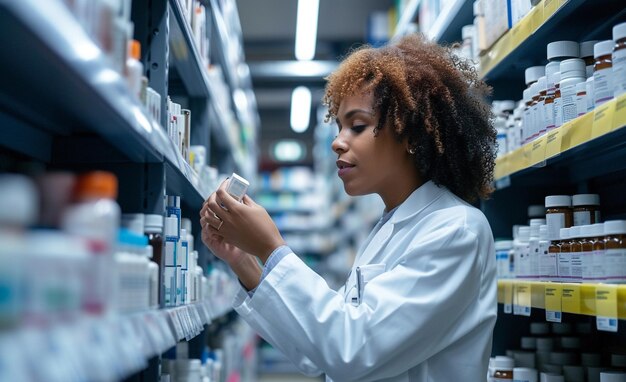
339 145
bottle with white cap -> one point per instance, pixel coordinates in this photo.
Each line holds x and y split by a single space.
598 252
547 260
557 51
575 255
619 60
558 101
522 255
524 374
572 73
558 214
564 263
533 73
602 72
533 247
581 98
504 251
615 251
545 116
526 117
613 376
534 112
502 369
586 237
586 53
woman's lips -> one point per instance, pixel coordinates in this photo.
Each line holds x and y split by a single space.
344 167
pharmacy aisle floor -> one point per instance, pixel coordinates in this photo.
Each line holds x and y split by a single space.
287 378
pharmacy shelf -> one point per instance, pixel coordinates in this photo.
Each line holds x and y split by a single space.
407 16
91 348
94 100
447 27
597 135
226 53
584 299
550 20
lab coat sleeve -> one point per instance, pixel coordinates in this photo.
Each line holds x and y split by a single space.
408 313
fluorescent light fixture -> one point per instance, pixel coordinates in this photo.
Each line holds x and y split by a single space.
300 109
288 151
306 29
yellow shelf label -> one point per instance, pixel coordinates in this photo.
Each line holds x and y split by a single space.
502 167
550 7
521 31
553 143
579 130
570 300
603 119
522 299
619 118
508 297
606 307
536 16
538 151
552 298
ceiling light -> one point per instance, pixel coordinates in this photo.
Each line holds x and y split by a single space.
306 29
288 151
300 109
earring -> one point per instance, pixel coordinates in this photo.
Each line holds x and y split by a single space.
411 150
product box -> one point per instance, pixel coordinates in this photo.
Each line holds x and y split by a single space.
497 18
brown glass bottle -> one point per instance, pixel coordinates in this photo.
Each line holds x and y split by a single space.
615 248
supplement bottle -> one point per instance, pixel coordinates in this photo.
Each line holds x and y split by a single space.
558 102
558 214
533 247
619 60
575 255
564 264
589 90
153 228
554 251
526 118
502 369
586 245
542 112
524 374
586 209
134 67
547 259
522 253
602 72
572 73
598 249
534 112
503 253
581 98
557 51
586 53
615 251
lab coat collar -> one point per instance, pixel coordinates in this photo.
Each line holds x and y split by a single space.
419 199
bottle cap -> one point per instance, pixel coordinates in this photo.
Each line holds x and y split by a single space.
558 201
186 224
536 211
539 328
581 87
467 31
525 374
575 232
596 230
542 84
591 359
173 201
134 223
18 200
153 223
527 96
586 200
503 244
537 222
96 184
507 105
560 49
586 48
134 49
503 363
603 48
615 227
529 343
619 31
573 67
564 233
478 9
551 377
612 376
534 230
543 232
533 73
534 90
524 233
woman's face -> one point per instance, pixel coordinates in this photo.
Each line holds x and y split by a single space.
367 163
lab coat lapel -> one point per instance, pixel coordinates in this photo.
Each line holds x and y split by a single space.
376 244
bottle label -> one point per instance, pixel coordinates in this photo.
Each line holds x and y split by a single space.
558 112
582 217
547 265
502 264
619 72
555 222
564 270
615 264
522 261
587 263
602 86
576 266
549 116
568 99
581 103
526 126
598 265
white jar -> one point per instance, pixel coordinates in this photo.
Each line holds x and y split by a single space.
503 258
558 51
603 86
619 60
572 73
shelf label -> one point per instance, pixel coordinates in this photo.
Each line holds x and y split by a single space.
508 297
570 300
176 324
606 307
536 15
580 130
521 31
552 299
619 119
522 299
603 119
553 143
549 8
538 152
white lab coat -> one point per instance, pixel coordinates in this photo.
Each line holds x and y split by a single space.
423 308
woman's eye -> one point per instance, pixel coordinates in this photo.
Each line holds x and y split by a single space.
358 128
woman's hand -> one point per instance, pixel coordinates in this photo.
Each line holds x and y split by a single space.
245 225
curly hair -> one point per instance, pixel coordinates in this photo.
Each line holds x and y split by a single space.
433 99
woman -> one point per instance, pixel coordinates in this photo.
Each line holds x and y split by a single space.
420 302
